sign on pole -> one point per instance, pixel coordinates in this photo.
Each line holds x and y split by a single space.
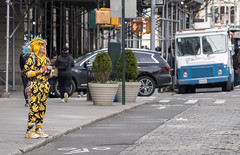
130 8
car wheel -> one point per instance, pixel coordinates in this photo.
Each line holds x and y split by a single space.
147 87
57 91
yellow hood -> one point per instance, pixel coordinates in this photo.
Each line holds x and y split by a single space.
35 47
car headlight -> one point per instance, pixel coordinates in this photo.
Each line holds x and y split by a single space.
219 72
185 74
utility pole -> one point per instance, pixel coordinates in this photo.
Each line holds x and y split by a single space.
7 44
152 41
213 12
123 52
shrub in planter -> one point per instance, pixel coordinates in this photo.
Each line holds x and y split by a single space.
102 92
131 66
131 73
102 67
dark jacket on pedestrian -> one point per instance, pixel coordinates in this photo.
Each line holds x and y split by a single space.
64 62
22 61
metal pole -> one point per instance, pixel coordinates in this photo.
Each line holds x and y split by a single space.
13 53
152 41
123 52
225 15
206 14
167 32
28 25
213 12
7 45
163 28
98 28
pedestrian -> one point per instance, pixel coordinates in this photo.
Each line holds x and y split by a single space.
54 58
237 69
22 61
37 68
64 63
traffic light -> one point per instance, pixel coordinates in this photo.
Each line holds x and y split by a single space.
137 26
148 27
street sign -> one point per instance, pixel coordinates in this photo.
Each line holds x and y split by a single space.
148 2
159 2
234 26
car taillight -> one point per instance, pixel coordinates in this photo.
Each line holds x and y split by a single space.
166 67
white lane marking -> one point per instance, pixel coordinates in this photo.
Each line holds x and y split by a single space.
181 119
101 148
164 101
67 149
219 101
161 107
177 105
177 95
191 101
146 98
223 93
78 151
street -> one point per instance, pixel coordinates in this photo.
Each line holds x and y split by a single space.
206 122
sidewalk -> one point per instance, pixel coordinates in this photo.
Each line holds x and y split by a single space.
61 118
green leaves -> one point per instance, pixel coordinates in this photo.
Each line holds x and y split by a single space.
131 66
102 67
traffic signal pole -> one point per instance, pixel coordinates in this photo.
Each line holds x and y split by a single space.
123 52
152 41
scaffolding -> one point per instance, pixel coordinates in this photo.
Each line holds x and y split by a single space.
69 22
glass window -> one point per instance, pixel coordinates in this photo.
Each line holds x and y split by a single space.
214 44
233 9
145 57
222 13
188 46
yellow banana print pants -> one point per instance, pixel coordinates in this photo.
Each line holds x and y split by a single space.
38 102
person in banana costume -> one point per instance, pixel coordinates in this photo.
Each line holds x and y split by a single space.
37 68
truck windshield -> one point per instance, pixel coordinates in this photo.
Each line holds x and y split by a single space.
188 46
214 44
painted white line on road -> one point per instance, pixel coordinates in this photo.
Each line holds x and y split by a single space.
223 93
177 95
177 105
146 98
77 151
235 95
164 101
180 119
161 107
191 101
67 149
101 148
219 101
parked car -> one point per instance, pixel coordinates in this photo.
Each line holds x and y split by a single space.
154 72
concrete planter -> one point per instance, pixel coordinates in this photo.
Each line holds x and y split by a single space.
131 91
102 94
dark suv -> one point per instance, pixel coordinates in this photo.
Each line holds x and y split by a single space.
154 72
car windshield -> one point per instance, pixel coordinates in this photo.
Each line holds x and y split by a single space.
188 46
214 44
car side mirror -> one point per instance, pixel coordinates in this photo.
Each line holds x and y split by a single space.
86 64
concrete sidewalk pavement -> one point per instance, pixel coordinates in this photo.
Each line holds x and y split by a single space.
61 118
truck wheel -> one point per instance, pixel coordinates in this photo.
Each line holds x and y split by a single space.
192 89
182 89
227 85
